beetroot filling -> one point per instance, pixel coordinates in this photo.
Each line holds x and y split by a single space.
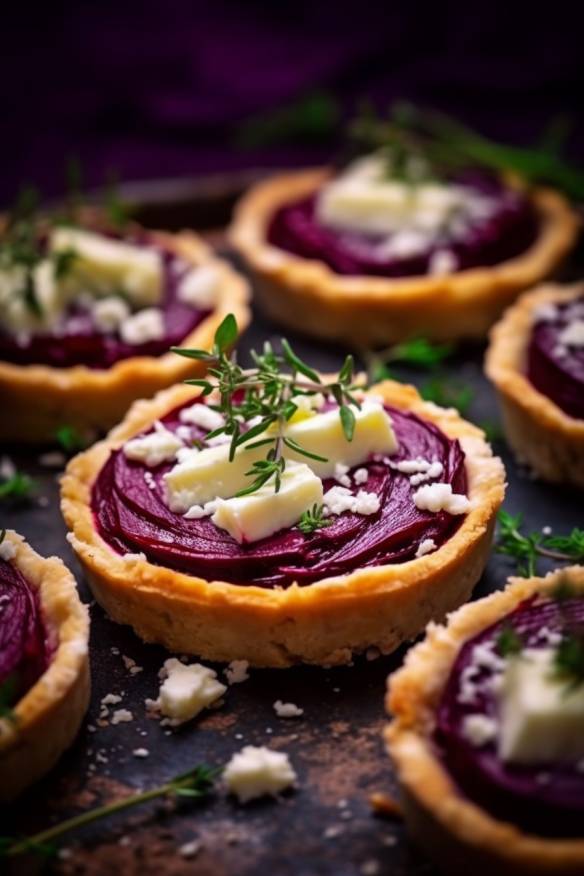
132 517
24 647
547 798
78 342
560 378
507 233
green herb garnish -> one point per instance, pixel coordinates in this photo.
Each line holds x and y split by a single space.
16 487
193 785
417 352
448 394
525 549
569 660
69 439
313 519
418 140
509 642
312 118
265 393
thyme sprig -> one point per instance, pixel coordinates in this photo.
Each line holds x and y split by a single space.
255 400
17 487
422 143
418 352
192 785
525 549
509 642
313 519
569 659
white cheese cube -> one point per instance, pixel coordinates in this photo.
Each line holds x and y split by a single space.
257 771
159 446
107 265
109 313
199 287
209 474
542 718
250 518
187 690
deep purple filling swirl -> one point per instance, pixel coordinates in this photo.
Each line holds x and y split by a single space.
24 648
79 342
554 369
546 799
507 232
133 517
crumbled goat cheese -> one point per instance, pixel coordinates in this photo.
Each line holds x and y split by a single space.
237 672
109 313
361 476
190 849
184 433
341 475
257 771
141 752
195 512
185 691
202 416
111 700
435 471
340 499
122 716
199 287
7 550
439 497
479 729
545 313
153 449
146 325
442 262
573 334
53 459
287 710
149 480
426 547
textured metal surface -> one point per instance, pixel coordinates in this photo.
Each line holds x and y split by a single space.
324 827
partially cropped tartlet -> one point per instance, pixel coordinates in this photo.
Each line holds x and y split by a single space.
88 313
345 519
536 362
411 239
487 732
44 667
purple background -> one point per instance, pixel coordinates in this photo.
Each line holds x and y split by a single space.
157 89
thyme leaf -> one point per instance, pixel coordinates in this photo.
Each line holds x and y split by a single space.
525 549
313 519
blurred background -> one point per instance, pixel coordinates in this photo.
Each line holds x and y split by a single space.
164 90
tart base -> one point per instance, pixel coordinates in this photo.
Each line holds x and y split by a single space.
324 623
41 398
48 717
457 834
364 311
539 432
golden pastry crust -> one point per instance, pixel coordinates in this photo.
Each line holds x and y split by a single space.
41 398
323 623
364 311
49 715
539 432
458 835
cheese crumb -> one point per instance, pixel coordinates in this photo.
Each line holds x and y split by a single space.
361 476
442 262
287 710
237 672
122 716
426 547
199 287
109 313
439 497
186 691
573 334
256 771
340 499
203 416
341 476
155 448
479 729
146 325
190 849
7 550
141 752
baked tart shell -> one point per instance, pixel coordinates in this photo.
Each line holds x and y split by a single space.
41 398
48 717
538 431
459 836
324 623
363 311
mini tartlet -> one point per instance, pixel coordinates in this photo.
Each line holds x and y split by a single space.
367 308
278 621
442 812
50 377
50 693
538 425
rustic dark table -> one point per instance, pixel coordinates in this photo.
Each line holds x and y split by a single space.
327 825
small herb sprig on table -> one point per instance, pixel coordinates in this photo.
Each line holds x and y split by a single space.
433 144
525 549
69 439
417 352
17 487
192 785
264 394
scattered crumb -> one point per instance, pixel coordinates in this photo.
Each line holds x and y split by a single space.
125 841
122 716
237 672
110 699
141 752
287 710
385 804
53 459
190 849
333 831
370 868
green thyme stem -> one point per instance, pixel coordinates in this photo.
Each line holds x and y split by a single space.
197 783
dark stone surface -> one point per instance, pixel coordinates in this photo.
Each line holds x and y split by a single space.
324 827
